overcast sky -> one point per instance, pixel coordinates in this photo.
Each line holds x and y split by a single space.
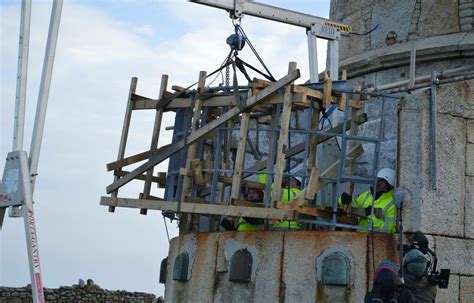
101 45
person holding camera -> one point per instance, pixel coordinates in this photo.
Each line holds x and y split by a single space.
416 278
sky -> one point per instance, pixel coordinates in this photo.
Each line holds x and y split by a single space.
101 45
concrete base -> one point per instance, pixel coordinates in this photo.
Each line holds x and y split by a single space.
287 266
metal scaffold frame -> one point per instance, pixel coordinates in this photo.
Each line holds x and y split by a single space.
18 181
206 171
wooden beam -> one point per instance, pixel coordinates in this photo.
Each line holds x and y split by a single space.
186 222
237 202
240 156
282 139
154 139
327 92
341 105
125 128
313 184
197 171
174 148
159 180
205 209
134 159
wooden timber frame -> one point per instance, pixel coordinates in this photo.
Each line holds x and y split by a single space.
207 170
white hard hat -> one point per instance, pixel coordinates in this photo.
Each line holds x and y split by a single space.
387 174
298 178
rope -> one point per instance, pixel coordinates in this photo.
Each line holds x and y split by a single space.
239 28
166 227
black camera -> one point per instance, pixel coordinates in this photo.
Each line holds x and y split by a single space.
441 278
435 277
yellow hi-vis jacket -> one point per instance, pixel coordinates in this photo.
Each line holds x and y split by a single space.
287 194
243 225
385 202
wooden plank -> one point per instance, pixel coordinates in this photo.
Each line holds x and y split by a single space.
252 101
206 209
191 153
341 105
134 158
237 202
327 92
154 139
143 103
174 148
197 171
313 184
311 211
125 129
240 156
313 141
121 173
282 139
318 211
354 130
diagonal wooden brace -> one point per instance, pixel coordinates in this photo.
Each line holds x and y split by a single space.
252 101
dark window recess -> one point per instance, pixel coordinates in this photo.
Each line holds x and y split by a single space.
163 266
241 266
336 269
180 268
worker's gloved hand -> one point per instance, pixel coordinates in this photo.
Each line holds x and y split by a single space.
227 224
368 210
346 198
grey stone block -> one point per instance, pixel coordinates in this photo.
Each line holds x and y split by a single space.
466 20
456 254
466 27
202 249
448 198
469 208
467 12
394 17
415 169
470 159
266 249
451 294
301 251
435 21
457 99
354 44
470 131
466 5
467 289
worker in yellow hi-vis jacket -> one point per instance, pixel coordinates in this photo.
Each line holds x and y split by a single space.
290 189
383 201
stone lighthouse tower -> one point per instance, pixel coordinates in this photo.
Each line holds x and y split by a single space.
408 106
430 137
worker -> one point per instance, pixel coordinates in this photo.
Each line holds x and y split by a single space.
415 275
388 287
254 195
290 189
383 201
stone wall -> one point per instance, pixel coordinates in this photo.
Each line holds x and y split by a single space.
409 19
77 294
446 212
286 266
